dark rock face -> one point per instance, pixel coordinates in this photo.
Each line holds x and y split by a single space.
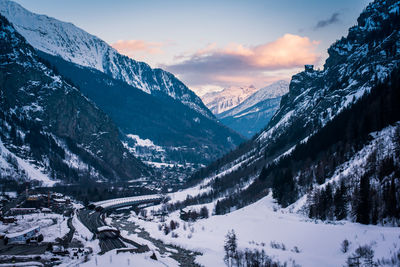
184 134
253 119
33 92
157 82
356 63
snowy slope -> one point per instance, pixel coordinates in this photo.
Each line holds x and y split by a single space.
77 46
271 91
382 145
263 222
356 64
21 166
253 119
254 113
228 98
41 113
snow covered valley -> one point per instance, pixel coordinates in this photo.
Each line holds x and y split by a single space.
284 236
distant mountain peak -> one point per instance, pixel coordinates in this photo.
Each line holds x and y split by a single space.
254 113
228 98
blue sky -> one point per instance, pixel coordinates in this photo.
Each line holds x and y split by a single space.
214 44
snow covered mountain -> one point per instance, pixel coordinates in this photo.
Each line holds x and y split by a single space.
228 98
327 118
274 90
150 104
356 63
254 113
49 131
63 39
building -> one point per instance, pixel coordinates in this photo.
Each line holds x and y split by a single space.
59 201
22 211
34 201
23 237
7 220
46 210
309 68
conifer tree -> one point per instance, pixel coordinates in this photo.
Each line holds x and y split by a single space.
363 207
340 201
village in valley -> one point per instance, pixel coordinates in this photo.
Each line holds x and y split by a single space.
37 228
40 228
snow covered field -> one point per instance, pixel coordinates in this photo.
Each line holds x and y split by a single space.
51 225
111 258
258 225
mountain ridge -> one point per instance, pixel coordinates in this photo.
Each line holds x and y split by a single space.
274 90
76 45
254 113
184 134
228 98
48 123
292 153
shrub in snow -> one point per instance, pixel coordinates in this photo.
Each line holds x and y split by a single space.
277 245
166 230
345 246
394 260
153 256
204 212
230 247
173 225
174 235
295 249
143 213
363 256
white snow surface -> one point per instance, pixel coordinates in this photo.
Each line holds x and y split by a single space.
144 142
111 258
51 225
228 98
33 172
273 90
67 40
258 225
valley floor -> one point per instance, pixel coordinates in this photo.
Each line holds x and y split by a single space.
263 225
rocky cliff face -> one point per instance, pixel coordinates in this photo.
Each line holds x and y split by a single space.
356 64
148 103
180 135
42 102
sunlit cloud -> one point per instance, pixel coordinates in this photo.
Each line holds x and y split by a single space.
134 48
237 64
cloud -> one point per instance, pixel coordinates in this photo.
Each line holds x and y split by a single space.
332 20
134 48
237 64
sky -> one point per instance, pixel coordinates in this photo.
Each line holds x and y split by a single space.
211 45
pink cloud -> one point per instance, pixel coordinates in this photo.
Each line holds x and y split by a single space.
286 52
132 48
237 64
